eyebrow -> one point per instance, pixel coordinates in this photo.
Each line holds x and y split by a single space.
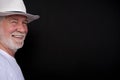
16 18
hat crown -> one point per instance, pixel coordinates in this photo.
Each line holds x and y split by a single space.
12 5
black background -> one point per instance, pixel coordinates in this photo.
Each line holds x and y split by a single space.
72 38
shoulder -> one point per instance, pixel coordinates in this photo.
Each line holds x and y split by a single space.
2 68
3 62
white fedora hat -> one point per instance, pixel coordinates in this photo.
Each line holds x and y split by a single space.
11 7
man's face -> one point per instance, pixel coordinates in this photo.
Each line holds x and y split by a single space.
13 30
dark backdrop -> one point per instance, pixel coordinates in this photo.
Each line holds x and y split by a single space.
71 39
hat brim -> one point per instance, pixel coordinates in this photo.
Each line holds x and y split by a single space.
30 17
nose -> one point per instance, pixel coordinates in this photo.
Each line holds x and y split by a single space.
22 28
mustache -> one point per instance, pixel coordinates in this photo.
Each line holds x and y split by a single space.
19 34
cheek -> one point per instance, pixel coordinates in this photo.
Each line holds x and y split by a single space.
4 33
11 30
26 30
7 33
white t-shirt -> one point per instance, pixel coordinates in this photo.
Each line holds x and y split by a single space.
9 69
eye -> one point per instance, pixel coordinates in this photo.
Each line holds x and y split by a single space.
25 22
14 21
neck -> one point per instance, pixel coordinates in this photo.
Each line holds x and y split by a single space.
8 50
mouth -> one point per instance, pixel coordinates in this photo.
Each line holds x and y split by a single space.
18 37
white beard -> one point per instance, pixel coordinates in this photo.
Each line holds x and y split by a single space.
9 42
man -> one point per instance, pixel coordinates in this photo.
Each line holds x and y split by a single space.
13 30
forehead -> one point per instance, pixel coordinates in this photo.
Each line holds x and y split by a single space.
16 17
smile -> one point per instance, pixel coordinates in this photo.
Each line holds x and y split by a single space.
20 37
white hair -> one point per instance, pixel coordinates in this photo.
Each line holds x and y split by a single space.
1 18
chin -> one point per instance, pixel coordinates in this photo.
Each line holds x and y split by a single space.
17 46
